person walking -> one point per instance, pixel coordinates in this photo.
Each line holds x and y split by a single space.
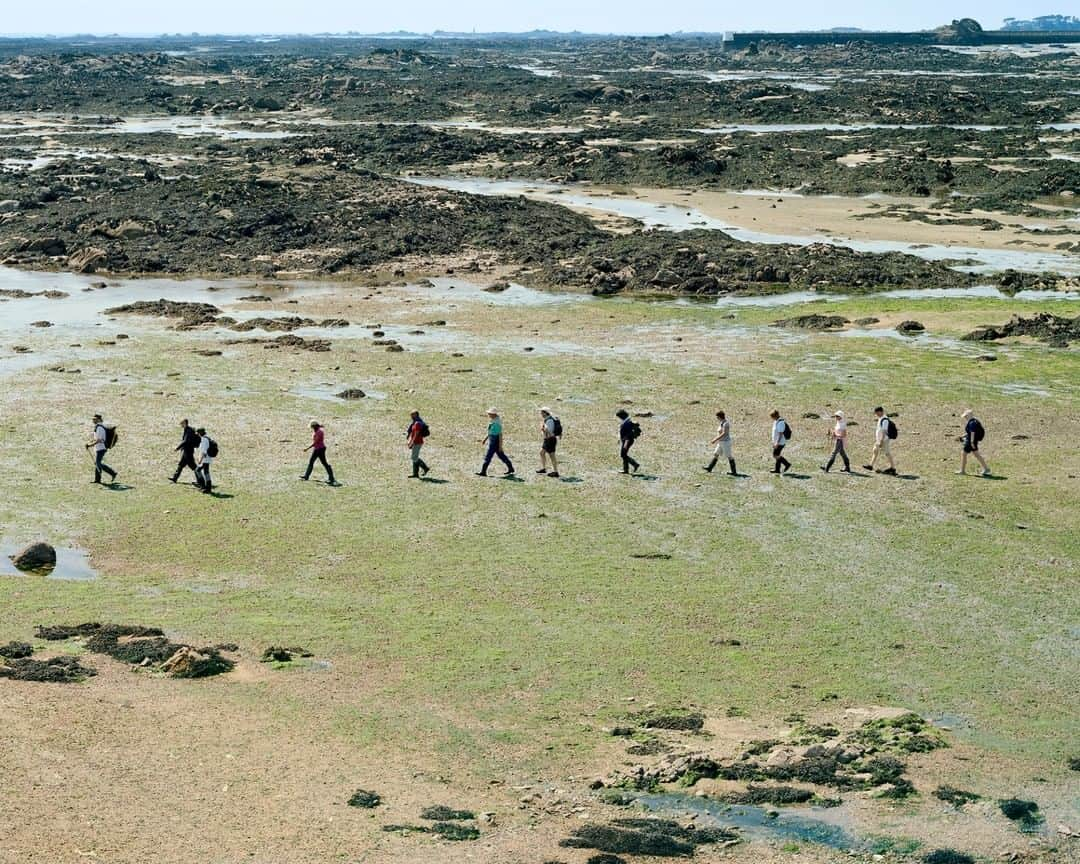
189 441
884 432
723 445
838 438
494 445
100 443
974 432
629 432
781 434
415 436
206 455
551 431
318 453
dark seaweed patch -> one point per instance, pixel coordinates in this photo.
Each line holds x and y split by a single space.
16 650
675 722
956 797
776 795
439 813
1026 813
947 856
57 670
365 798
659 837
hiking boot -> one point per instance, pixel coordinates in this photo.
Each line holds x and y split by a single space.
986 473
424 470
541 471
554 475
869 467
304 478
824 468
890 471
481 474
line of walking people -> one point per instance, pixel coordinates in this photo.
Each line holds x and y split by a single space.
198 450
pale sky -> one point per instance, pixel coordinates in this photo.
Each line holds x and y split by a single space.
598 16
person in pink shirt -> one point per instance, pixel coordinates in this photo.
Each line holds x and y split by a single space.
318 453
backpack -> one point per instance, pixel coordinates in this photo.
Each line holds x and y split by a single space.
425 430
787 431
635 431
979 432
212 449
891 431
558 426
111 436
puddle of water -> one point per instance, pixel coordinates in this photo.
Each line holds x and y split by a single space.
807 825
82 308
769 128
1023 390
449 288
679 217
72 565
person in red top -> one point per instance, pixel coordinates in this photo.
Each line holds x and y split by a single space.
415 436
318 453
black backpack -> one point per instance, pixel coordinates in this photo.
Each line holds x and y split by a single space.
979 432
891 431
635 431
558 426
425 430
111 436
212 449
787 431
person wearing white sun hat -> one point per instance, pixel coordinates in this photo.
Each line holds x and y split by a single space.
494 444
974 432
838 436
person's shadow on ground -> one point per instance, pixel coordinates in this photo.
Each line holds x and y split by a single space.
117 487
438 481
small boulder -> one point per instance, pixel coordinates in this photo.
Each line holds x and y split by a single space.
35 557
910 327
351 393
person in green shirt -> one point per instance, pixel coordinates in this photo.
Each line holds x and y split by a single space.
494 445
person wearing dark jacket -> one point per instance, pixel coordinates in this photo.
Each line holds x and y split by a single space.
189 442
973 434
628 434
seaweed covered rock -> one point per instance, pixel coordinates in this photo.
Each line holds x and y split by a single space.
1055 330
813 322
35 558
192 663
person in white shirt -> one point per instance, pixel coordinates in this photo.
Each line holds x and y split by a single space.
780 436
838 437
98 443
723 444
882 444
549 430
205 461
